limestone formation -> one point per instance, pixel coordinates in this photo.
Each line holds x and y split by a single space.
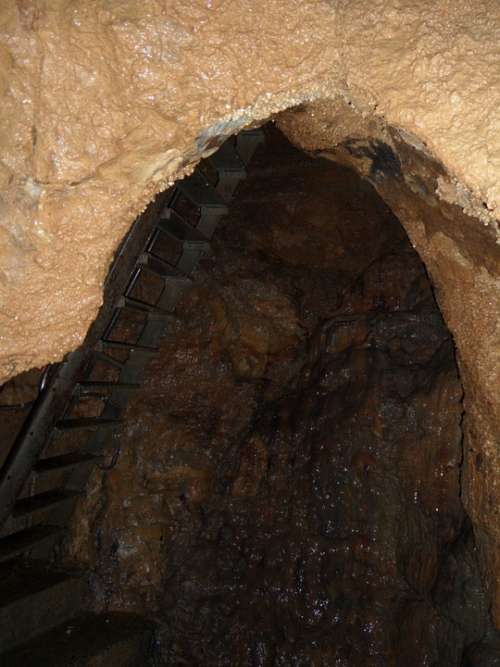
105 103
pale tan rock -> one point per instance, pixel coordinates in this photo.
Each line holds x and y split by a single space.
105 103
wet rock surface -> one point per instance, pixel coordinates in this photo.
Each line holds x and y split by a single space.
288 485
465 272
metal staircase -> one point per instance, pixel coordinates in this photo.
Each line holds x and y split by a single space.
69 428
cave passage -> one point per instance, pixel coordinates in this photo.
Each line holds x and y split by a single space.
288 485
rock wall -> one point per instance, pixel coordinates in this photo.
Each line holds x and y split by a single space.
463 261
105 103
288 487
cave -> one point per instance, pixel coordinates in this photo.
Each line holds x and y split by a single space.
284 487
249 298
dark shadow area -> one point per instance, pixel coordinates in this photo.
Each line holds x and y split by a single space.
282 485
288 487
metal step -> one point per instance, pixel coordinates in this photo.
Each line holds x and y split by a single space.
63 462
42 502
227 158
174 225
199 192
33 601
89 640
176 282
190 255
99 355
91 387
204 196
229 167
23 541
132 347
87 423
144 307
209 219
247 143
162 268
192 243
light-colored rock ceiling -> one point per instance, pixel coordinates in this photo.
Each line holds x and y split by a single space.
106 102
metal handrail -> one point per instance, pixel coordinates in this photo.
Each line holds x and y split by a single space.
31 440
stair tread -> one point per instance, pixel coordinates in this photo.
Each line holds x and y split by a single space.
87 422
17 543
122 345
173 224
83 638
42 501
106 359
162 268
247 143
103 384
64 461
143 306
22 582
200 192
34 600
227 158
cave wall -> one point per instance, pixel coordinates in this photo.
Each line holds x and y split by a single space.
106 103
287 487
463 261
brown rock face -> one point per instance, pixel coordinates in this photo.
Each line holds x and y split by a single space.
288 489
464 264
104 103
